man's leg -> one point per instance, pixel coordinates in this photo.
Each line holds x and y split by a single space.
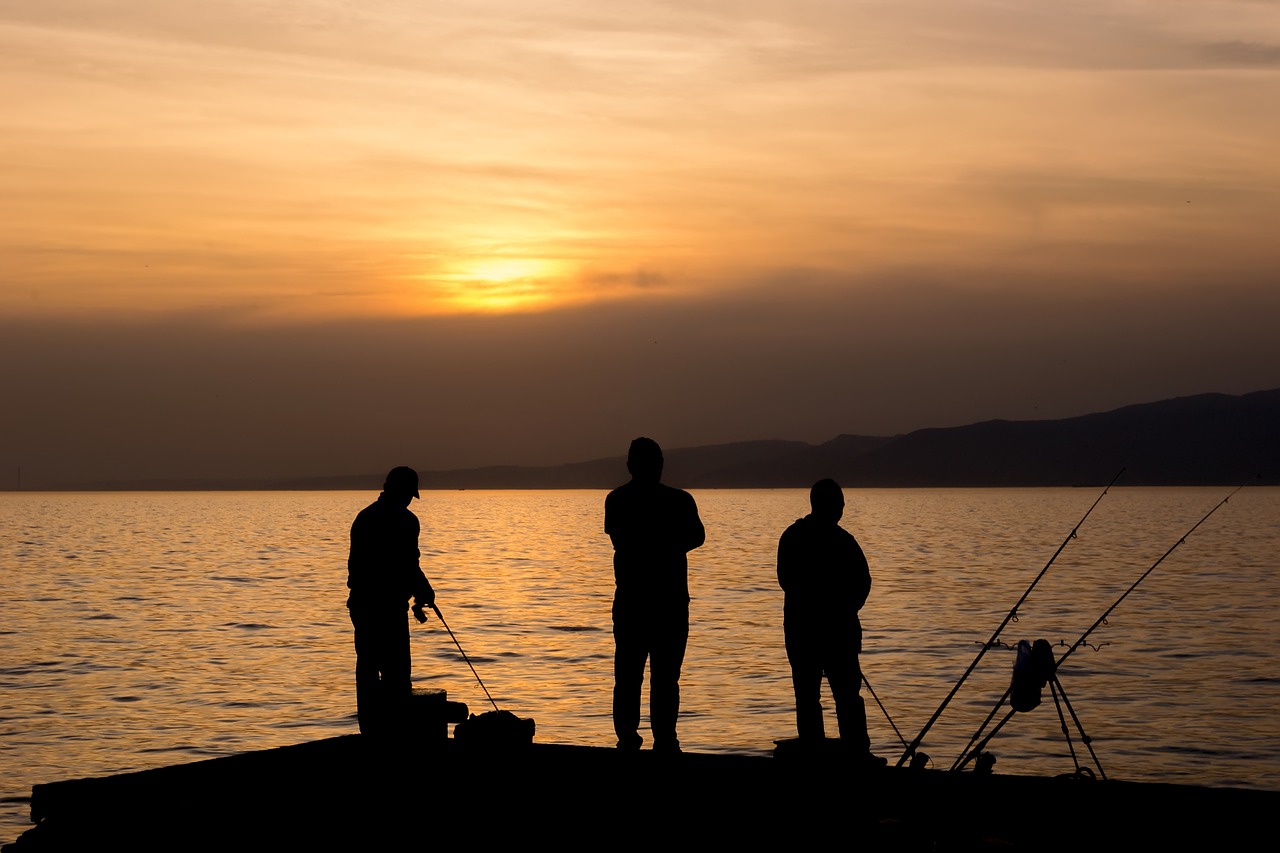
845 678
806 681
368 688
844 673
670 641
629 655
397 666
383 669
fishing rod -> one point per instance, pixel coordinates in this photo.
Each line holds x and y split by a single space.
1012 614
970 752
1103 618
883 709
464 655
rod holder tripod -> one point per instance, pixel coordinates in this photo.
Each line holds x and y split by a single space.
1035 669
1046 672
1059 700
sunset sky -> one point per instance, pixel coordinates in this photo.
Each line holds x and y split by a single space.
289 237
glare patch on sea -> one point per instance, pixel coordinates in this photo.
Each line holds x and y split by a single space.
144 629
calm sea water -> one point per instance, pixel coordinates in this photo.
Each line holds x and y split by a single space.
144 629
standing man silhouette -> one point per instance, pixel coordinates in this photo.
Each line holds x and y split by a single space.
382 573
825 577
653 527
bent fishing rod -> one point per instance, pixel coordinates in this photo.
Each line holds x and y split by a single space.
464 655
1010 616
970 751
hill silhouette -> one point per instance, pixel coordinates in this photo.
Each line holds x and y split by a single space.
1209 439
1206 439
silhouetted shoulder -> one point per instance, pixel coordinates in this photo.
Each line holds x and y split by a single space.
380 520
794 529
384 544
652 517
820 563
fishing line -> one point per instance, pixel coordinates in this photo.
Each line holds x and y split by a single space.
970 752
1013 614
883 709
464 655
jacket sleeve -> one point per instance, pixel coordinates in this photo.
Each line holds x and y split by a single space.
423 594
357 557
610 519
786 559
862 577
694 533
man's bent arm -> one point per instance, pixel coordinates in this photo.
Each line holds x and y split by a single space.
695 532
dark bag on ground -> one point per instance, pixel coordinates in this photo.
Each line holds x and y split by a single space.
1031 671
495 729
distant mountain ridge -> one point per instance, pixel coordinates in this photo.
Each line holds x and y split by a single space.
1206 439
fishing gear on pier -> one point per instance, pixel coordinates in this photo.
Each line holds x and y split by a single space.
1031 670
494 729
972 752
464 655
1011 616
1063 644
1097 647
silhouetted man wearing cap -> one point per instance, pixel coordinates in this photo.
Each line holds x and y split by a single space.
825 577
382 573
653 527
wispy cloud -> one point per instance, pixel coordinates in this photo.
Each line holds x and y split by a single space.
1245 54
267 152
